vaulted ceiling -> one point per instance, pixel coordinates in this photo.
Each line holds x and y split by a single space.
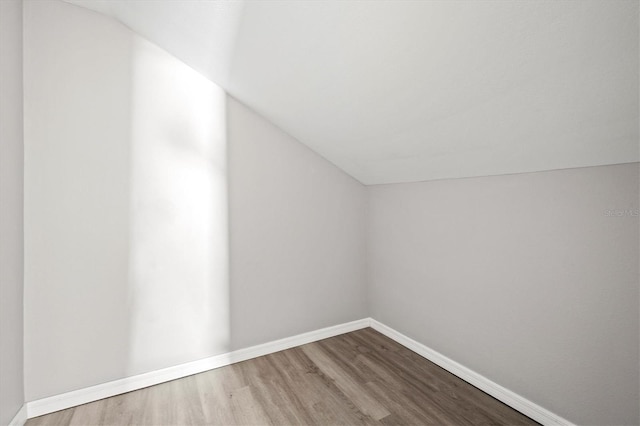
400 91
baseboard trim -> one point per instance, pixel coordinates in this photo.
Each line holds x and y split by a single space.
512 399
20 418
82 396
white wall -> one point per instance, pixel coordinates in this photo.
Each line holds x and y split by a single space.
127 237
166 222
11 220
77 81
297 235
526 279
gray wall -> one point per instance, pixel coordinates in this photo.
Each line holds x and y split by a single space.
76 82
297 235
167 222
128 247
530 280
11 195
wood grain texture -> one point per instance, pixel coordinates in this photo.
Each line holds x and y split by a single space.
358 378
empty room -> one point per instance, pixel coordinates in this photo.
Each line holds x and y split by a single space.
319 212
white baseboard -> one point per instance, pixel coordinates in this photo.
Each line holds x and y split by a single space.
20 418
512 399
82 396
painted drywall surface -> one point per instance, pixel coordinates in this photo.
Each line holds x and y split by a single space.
418 90
297 235
178 246
127 235
11 220
77 159
530 280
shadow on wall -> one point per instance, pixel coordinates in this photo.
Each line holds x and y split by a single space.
179 256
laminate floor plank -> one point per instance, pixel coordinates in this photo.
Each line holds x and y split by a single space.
347 383
358 378
329 400
214 397
59 418
403 410
274 392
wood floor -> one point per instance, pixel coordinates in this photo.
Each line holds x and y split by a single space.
359 378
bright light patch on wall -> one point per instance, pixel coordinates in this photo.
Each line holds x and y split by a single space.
179 237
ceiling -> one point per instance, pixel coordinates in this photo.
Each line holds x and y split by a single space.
401 91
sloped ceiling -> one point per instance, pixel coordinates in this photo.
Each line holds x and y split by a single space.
401 91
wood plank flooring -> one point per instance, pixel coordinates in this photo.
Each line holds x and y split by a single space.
358 378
